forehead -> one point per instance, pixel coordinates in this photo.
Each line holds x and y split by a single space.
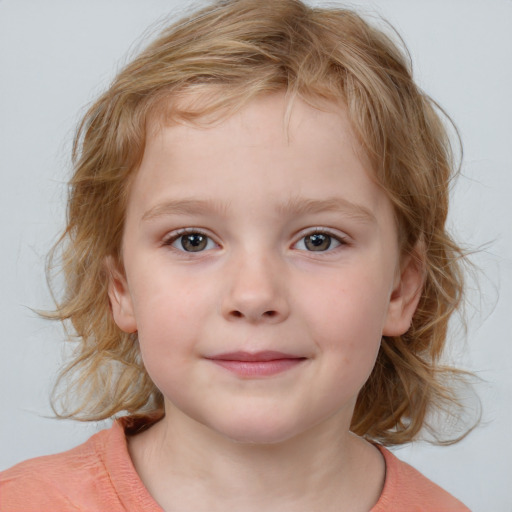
281 111
288 149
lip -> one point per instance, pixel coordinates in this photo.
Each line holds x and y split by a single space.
257 364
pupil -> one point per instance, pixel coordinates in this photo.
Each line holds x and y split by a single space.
193 242
318 242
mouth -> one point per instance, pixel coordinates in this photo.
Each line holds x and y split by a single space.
257 364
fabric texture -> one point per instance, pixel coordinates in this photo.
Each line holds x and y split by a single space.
98 476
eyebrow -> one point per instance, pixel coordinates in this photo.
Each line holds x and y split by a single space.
296 206
186 207
302 205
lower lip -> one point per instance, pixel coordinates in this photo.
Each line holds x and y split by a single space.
258 368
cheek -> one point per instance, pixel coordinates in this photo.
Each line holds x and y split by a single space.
168 327
346 323
352 307
165 301
167 344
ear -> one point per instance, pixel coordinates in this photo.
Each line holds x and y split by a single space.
406 294
120 297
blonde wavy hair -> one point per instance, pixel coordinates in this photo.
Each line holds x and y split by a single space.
220 58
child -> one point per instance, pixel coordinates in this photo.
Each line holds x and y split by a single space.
258 272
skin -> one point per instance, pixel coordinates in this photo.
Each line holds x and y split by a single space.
281 442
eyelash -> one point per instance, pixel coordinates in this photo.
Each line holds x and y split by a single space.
339 240
175 236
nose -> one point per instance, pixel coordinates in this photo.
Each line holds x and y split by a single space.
255 291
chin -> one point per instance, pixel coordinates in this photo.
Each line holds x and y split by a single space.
258 431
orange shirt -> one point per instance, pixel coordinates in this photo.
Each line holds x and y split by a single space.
98 476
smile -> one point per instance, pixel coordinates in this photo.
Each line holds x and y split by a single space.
259 364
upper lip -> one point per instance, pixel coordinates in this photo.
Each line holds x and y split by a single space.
266 355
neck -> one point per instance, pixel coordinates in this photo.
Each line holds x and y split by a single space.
187 466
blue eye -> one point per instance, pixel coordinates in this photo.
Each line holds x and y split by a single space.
192 242
319 242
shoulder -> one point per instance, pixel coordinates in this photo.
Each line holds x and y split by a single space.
69 481
405 488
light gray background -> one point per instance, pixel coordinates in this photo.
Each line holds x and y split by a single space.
56 56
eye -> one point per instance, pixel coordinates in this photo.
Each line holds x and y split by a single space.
191 241
318 241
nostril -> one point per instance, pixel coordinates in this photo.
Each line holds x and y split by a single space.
267 314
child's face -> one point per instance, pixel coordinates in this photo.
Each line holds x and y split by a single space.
241 239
